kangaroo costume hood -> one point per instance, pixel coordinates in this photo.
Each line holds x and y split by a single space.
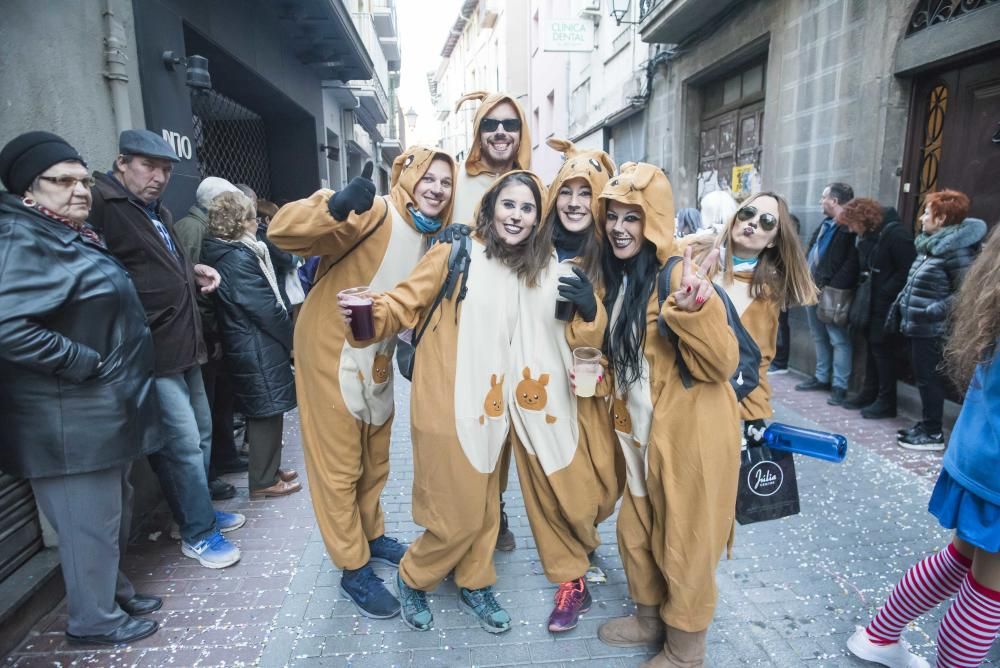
407 170
596 167
644 185
474 164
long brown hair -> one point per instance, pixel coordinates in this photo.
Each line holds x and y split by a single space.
975 325
782 273
529 257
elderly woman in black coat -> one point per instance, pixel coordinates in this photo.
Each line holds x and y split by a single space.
256 335
948 244
76 380
885 253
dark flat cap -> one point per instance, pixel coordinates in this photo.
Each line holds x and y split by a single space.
144 142
28 155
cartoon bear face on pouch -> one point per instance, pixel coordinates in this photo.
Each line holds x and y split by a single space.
531 394
493 405
380 369
619 412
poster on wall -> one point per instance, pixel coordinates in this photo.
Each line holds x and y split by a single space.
746 180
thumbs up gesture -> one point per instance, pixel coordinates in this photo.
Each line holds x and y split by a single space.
357 196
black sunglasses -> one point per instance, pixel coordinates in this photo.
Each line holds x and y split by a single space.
766 221
509 124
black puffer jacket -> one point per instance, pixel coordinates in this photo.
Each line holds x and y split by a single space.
67 305
255 328
922 308
889 252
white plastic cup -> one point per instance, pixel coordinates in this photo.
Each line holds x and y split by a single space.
586 369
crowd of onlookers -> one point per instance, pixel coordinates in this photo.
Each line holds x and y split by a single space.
893 288
124 335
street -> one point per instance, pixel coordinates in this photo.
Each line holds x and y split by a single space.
791 595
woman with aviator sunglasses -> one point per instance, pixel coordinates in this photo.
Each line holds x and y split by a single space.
763 270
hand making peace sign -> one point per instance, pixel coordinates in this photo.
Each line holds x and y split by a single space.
696 288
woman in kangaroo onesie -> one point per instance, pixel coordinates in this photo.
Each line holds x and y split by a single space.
345 392
460 396
569 464
681 444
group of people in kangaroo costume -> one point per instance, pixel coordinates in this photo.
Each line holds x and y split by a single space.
493 376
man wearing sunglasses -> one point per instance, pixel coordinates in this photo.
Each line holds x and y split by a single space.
500 143
833 261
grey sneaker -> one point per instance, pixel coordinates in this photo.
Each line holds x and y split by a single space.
484 605
413 606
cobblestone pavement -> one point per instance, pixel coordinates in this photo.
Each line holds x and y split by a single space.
793 592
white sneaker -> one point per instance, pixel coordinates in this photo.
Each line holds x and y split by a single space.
896 655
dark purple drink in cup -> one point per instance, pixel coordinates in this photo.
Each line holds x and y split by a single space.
565 310
359 302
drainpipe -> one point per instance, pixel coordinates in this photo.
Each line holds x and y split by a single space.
115 59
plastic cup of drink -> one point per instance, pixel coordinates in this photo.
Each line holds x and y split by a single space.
359 303
565 310
586 369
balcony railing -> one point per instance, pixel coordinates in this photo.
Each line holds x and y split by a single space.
645 7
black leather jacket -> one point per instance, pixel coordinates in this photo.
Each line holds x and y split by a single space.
922 308
76 356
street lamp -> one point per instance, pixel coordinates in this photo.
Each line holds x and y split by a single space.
619 10
411 118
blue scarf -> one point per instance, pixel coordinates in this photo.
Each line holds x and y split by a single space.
425 224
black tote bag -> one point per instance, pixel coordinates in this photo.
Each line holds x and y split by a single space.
768 489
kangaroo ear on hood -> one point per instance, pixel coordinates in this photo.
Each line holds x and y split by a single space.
562 145
475 95
608 163
641 175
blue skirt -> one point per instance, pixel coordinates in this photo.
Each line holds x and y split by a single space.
975 520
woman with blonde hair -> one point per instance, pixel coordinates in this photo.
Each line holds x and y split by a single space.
763 270
256 333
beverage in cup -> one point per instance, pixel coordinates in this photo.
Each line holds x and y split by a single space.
359 303
586 369
564 310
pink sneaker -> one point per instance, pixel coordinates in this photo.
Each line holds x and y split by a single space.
572 600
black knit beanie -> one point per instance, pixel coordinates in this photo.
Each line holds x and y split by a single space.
28 155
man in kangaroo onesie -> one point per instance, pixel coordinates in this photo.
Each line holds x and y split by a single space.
346 392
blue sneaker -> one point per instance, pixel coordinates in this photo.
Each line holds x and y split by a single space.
212 552
227 522
368 593
385 550
415 612
484 605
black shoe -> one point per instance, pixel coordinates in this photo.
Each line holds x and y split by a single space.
141 604
776 369
132 630
506 542
838 396
812 384
220 490
367 591
235 465
908 432
879 410
922 440
858 401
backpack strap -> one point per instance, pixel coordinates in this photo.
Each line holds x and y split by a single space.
662 292
458 276
364 237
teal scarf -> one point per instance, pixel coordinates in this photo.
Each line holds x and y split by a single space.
425 224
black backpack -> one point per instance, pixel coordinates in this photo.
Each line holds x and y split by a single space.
458 277
747 375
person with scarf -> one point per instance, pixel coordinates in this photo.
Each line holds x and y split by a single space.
76 382
256 333
763 271
463 386
345 391
681 444
570 468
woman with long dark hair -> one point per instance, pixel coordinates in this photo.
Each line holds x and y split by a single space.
966 498
460 393
571 472
681 444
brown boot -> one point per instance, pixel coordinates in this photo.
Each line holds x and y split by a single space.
681 649
643 628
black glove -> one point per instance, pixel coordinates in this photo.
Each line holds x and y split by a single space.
357 196
753 433
579 290
452 233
